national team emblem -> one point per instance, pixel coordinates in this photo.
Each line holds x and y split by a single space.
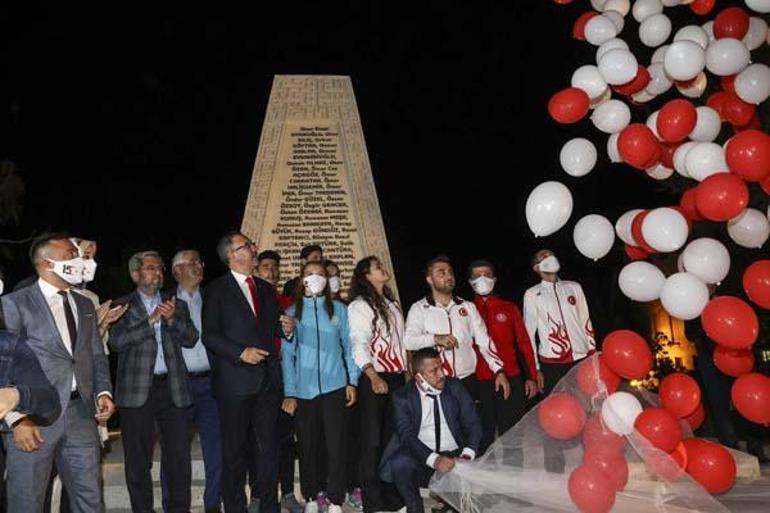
463 312
501 317
572 300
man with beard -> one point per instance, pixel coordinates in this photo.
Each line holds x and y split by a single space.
152 385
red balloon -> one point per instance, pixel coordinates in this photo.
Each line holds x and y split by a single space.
765 184
733 362
561 416
590 490
636 253
668 466
710 464
731 22
562 2
588 379
696 418
728 83
638 146
679 394
636 84
748 155
756 283
721 196
676 120
687 204
751 397
569 105
627 354
660 427
636 231
595 434
717 102
737 111
667 151
730 322
579 28
612 463
702 7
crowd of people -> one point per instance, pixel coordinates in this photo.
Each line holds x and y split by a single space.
371 402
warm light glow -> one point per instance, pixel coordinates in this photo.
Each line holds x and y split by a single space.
668 336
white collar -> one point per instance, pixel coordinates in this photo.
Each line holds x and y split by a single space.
47 289
240 277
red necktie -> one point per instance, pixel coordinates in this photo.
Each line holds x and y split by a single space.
254 299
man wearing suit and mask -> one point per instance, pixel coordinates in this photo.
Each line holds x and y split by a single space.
152 385
436 424
241 318
60 328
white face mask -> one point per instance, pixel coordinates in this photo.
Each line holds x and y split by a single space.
2 286
314 284
425 386
483 286
70 271
549 264
89 270
334 284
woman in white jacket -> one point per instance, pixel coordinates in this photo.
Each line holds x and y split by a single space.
377 338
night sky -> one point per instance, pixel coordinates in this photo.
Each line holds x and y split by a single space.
140 129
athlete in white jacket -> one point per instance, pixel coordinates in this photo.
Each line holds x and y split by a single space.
452 325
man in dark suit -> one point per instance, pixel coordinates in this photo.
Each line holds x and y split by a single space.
241 318
152 385
60 328
436 423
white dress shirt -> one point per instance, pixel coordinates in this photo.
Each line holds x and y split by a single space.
427 433
56 304
241 279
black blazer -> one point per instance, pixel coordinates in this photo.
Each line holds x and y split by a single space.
229 327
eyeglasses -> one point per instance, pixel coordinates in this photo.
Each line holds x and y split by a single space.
151 268
193 263
244 245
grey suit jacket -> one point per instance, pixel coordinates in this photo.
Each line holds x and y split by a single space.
133 339
27 314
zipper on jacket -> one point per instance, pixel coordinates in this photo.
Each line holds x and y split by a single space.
449 319
318 341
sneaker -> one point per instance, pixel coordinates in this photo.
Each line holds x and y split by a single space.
323 502
334 508
290 504
355 500
311 507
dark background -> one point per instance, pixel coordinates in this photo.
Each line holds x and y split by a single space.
140 129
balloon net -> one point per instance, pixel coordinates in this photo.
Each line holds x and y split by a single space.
528 470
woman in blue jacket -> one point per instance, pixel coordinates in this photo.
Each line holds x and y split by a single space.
319 380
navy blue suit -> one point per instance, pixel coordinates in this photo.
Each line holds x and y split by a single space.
404 459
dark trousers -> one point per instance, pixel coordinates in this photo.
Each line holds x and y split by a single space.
409 475
376 429
205 413
138 433
554 449
321 422
256 414
288 453
498 415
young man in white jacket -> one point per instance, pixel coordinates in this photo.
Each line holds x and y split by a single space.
452 325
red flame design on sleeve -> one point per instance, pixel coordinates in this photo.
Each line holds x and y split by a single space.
559 338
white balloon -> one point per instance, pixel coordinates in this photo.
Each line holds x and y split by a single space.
643 9
749 229
617 19
612 44
680 156
548 208
659 54
671 3
708 28
762 6
578 157
621 6
705 159
665 229
693 33
693 88
654 30
593 236
684 296
612 149
659 172
684 60
618 66
659 81
600 29
603 98
706 258
598 5
589 80
752 85
642 96
641 281
611 116
652 123
623 226
727 56
680 263
757 33
619 412
707 126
